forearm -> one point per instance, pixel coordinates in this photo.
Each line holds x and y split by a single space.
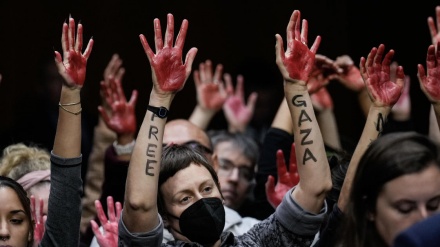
377 117
201 117
329 128
312 162
364 101
282 119
67 142
140 205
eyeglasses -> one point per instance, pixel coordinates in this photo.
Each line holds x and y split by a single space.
195 145
226 167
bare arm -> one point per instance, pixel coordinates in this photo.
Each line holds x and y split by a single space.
383 93
140 205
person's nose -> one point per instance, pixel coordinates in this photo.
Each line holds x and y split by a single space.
423 212
235 175
4 230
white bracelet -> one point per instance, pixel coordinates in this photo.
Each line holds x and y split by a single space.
123 149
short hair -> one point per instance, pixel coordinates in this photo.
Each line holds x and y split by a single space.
24 200
241 141
20 159
389 157
178 157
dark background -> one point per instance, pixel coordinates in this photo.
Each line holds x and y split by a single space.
239 34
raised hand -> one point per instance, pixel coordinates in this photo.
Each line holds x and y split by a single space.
108 237
120 117
350 75
39 220
435 34
376 73
297 61
168 72
211 94
324 70
322 100
430 79
237 112
402 109
286 178
113 71
72 66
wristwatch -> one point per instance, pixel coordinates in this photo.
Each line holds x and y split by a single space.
161 112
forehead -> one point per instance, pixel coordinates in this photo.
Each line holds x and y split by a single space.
181 132
422 185
227 150
9 200
189 178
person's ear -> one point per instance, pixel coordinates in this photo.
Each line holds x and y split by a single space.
215 161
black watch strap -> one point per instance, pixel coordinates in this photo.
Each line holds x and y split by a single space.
161 112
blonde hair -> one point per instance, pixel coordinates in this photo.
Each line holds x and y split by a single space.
20 159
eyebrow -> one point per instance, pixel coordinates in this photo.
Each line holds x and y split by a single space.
17 211
237 165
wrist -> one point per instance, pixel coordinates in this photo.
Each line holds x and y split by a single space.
126 149
124 139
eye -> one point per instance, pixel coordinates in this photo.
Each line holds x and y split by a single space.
433 204
405 208
16 221
207 189
185 200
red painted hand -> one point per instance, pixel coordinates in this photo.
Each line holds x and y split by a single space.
322 100
39 220
430 80
350 76
108 236
296 63
237 112
73 66
211 94
323 71
435 34
121 117
286 179
376 74
113 71
169 73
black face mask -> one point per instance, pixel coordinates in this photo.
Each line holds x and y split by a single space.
203 222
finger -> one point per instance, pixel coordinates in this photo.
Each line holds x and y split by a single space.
157 35
252 100
421 75
119 91
362 68
386 63
196 78
111 209
118 210
65 37
100 212
437 12
208 71
190 56
133 98
169 34
379 55
370 60
95 229
33 212
79 38
41 210
71 33
430 58
270 185
304 32
400 77
218 73
112 66
239 89
432 27
59 61
281 165
316 44
296 21
120 74
146 47
279 50
290 30
88 50
180 40
228 81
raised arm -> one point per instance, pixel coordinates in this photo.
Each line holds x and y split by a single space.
383 93
64 210
211 93
238 113
140 212
429 79
295 65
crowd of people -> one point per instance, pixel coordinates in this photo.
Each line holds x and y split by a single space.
175 182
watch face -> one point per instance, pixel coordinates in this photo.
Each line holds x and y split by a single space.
162 112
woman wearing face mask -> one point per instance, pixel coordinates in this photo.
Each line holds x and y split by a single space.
179 190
